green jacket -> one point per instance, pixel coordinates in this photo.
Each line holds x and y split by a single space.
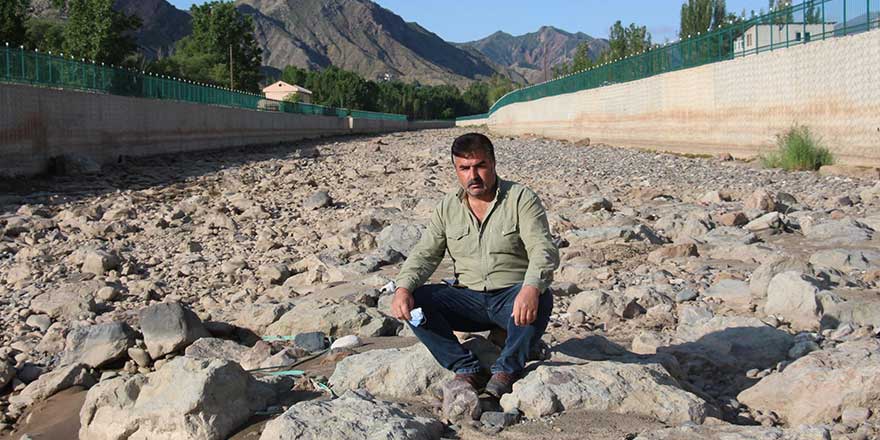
512 246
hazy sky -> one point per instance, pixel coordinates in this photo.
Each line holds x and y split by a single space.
460 20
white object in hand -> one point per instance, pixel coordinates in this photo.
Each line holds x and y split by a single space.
417 318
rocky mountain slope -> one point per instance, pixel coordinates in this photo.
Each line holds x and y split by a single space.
527 53
163 25
362 36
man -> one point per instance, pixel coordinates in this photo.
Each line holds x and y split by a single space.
496 233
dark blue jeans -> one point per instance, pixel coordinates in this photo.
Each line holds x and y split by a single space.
449 309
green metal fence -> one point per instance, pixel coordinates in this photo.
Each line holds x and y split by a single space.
20 65
795 25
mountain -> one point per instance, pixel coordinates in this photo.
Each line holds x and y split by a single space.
526 53
162 25
362 36
356 35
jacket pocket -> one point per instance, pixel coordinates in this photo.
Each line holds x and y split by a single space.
458 240
507 240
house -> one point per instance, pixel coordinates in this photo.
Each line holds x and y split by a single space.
281 90
761 37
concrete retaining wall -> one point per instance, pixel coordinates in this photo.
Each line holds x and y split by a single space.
736 106
37 124
472 122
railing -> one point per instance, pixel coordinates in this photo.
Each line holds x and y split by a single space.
794 25
19 65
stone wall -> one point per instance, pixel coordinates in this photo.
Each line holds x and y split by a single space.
737 106
38 124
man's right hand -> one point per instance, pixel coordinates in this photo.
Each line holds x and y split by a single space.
402 304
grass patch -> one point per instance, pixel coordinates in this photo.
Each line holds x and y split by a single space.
798 150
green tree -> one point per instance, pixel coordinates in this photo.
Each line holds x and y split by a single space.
812 13
701 16
781 10
12 21
221 37
476 97
581 59
95 31
47 35
626 41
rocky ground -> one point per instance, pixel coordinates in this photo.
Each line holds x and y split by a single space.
697 298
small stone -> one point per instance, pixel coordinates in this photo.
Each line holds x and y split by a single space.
99 262
107 293
597 203
320 199
139 356
760 200
499 419
41 322
855 416
685 295
349 341
273 273
311 341
732 219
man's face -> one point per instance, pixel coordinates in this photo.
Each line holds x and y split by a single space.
476 173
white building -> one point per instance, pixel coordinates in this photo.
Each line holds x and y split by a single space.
281 90
761 37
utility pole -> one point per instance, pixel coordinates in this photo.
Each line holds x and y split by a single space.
231 80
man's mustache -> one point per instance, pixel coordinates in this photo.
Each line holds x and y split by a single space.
475 182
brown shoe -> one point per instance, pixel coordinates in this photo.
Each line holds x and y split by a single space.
477 381
500 384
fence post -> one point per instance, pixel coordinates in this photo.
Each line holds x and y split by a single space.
21 53
844 17
823 20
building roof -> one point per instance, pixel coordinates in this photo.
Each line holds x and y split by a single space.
282 86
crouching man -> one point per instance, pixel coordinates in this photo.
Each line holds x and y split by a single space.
497 235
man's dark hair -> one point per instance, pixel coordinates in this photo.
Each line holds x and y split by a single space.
468 144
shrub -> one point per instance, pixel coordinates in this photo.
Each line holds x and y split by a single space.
798 149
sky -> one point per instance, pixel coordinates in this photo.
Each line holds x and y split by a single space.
466 20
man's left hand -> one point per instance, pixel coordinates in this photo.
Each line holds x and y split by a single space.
525 307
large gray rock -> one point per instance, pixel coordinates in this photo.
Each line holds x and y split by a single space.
797 298
838 232
762 276
356 415
402 372
863 312
334 319
400 237
168 327
734 432
594 303
819 386
214 348
65 302
257 317
50 383
846 260
626 388
727 342
396 372
185 399
734 293
97 345
99 262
